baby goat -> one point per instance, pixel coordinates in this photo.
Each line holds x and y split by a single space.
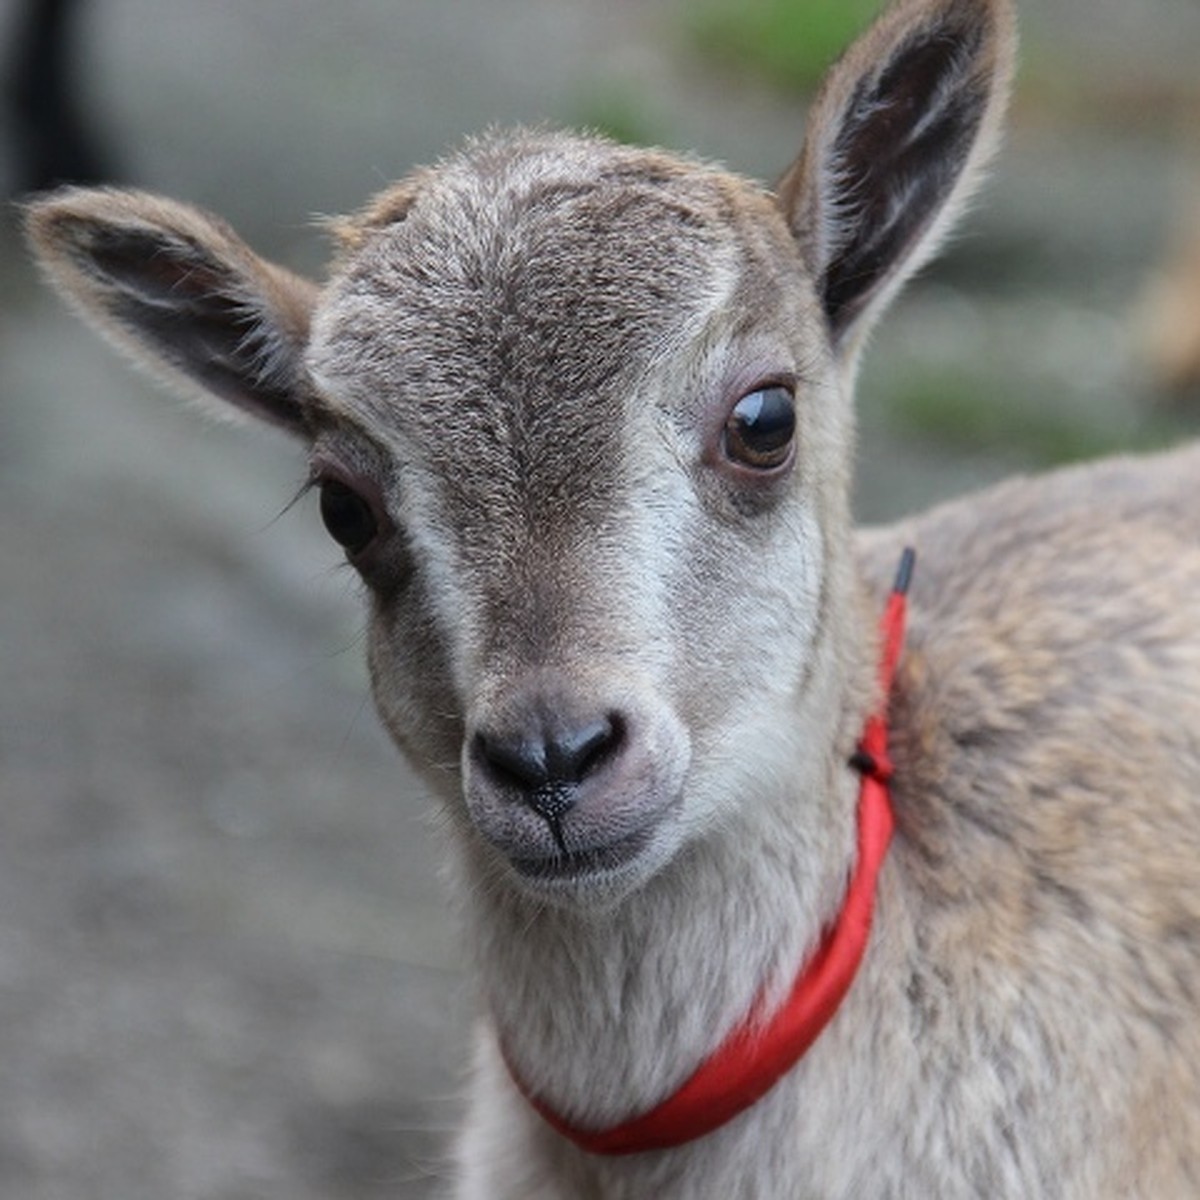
580 415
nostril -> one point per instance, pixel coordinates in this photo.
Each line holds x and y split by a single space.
572 755
552 757
515 760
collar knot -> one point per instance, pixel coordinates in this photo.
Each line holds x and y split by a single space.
872 766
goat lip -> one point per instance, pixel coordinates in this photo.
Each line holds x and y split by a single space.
583 863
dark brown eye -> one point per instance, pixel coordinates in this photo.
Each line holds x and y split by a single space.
349 518
760 429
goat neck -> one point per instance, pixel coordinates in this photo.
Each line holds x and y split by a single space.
602 1014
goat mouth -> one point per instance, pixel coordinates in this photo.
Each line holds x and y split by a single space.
572 865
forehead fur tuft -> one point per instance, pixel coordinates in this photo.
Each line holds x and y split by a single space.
534 252
514 164
352 232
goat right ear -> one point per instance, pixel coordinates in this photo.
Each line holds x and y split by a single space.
181 291
895 144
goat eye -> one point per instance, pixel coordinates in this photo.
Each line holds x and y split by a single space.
760 429
349 518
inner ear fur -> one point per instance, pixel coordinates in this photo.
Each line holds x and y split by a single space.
181 291
896 142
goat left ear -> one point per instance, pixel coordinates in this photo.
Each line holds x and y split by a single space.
896 142
183 294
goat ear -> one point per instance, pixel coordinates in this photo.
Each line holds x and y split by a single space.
895 144
180 290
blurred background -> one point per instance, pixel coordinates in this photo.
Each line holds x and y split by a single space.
227 970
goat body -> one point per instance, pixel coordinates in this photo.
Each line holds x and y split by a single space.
581 417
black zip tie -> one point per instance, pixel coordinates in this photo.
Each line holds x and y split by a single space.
861 760
904 573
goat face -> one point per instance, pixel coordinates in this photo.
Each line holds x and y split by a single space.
577 413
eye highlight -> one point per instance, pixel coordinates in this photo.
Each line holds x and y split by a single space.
349 517
760 430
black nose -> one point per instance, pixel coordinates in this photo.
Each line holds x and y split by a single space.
546 764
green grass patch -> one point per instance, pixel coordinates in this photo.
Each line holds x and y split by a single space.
616 111
786 43
954 409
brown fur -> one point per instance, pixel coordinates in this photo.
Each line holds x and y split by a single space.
1056 874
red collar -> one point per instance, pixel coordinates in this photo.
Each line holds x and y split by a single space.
758 1053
